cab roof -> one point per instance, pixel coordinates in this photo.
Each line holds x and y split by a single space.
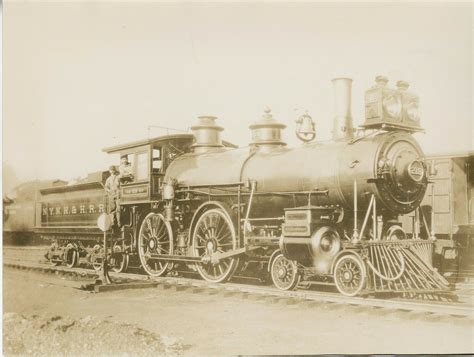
156 140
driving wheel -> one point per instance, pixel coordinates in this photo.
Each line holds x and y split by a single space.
155 238
215 233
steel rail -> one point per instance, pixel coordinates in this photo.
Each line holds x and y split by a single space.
265 292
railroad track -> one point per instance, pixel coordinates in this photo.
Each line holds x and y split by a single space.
410 309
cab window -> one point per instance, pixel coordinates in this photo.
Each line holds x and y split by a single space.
157 161
142 166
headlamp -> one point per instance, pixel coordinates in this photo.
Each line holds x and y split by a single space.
412 110
392 105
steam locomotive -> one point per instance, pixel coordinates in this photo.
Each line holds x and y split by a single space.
323 211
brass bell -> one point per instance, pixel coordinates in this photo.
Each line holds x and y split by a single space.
305 130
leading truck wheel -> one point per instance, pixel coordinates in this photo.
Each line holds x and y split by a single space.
350 275
215 233
284 273
155 238
395 232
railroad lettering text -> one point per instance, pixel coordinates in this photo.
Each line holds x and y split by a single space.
72 210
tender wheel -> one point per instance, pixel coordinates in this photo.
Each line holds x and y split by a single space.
350 275
215 233
284 273
97 263
54 246
119 260
70 256
155 237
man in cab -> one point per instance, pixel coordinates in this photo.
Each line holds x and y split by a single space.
125 170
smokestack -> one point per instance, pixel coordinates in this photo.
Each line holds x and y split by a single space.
342 126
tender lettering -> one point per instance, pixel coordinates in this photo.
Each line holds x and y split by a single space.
71 210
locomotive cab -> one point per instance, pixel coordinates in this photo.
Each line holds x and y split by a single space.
149 160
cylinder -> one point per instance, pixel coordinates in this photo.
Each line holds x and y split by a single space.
342 125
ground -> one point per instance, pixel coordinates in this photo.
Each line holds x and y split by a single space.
48 314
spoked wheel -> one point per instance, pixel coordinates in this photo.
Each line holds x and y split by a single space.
97 264
284 273
395 233
70 256
155 238
53 262
350 275
215 233
119 260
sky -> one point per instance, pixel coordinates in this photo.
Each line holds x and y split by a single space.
81 76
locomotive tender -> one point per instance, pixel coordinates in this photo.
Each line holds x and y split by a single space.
324 211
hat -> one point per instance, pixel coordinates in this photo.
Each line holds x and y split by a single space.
124 156
113 168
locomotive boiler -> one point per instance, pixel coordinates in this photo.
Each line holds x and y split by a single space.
312 199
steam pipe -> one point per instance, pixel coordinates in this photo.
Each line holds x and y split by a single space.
355 234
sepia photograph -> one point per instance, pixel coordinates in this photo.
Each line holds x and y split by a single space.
229 178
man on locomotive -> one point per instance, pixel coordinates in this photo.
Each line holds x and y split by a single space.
125 169
112 185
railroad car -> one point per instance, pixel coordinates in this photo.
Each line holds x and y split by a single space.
19 210
449 208
322 211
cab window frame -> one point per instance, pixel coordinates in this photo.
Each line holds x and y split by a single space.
133 156
146 170
153 159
